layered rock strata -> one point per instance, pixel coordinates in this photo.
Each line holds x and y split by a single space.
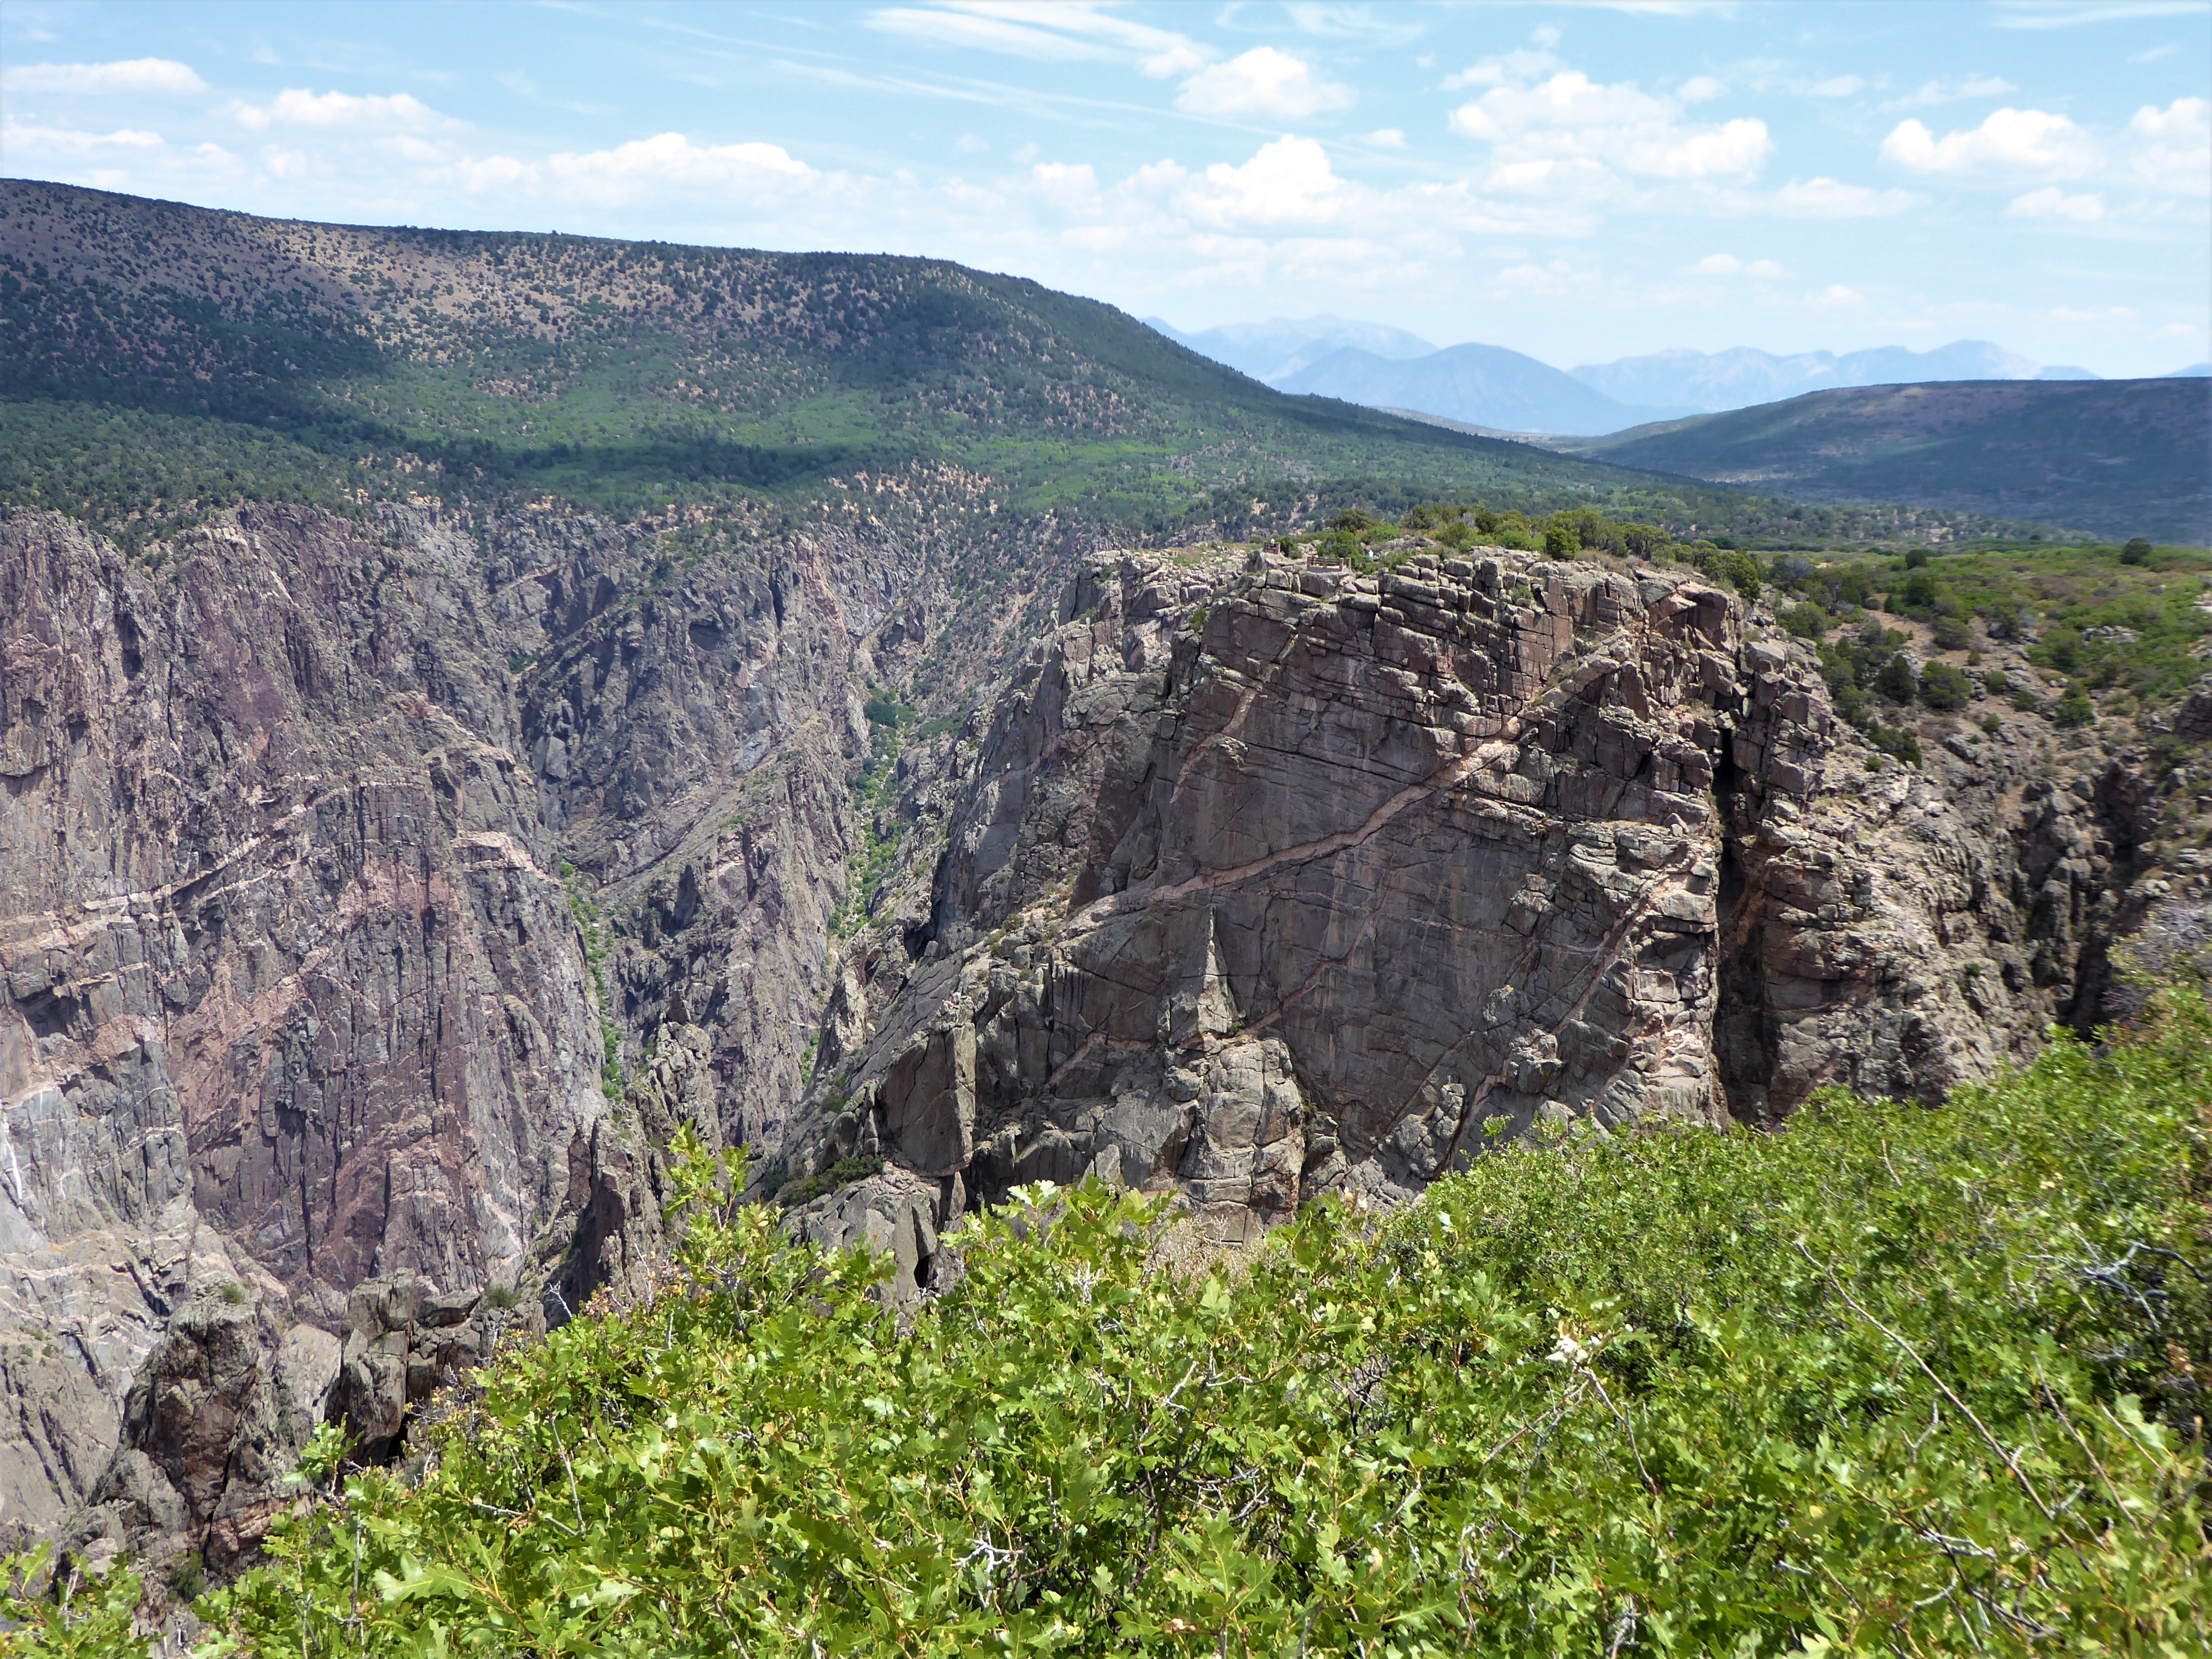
346 868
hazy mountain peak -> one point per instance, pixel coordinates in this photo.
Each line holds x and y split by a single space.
1743 375
1279 348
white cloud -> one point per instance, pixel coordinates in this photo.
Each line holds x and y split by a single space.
1384 138
1521 65
490 172
2009 143
19 137
2048 14
296 106
1838 86
1262 82
968 144
2155 53
1950 91
2171 148
1830 198
670 160
1050 31
1835 295
1595 129
985 33
1698 88
1727 264
135 76
1071 187
2053 203
1289 182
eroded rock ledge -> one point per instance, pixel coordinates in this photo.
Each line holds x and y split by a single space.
1266 881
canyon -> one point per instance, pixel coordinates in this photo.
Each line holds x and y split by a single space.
379 893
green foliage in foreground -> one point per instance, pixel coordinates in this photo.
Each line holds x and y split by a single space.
1892 1380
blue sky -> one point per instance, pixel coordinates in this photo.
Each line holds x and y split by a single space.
1576 181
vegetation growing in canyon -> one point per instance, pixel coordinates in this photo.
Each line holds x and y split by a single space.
1893 1379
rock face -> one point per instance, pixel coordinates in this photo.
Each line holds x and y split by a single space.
292 998
377 898
338 861
1264 883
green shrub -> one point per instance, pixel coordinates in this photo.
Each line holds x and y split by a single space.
1953 634
1896 681
842 1173
74 1618
1993 726
1561 542
1740 570
2137 551
1805 620
1944 687
1894 741
1890 1381
2073 711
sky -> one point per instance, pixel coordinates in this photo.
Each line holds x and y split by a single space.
1578 181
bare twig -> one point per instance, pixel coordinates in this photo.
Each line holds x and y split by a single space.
1913 1354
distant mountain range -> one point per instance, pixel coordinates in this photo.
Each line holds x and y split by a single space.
1484 386
2116 457
1501 390
1708 381
1274 351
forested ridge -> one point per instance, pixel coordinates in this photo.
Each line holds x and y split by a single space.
162 362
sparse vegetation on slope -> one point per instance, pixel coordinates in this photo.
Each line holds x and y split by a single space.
258 358
1893 1379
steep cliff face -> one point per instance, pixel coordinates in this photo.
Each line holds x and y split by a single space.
376 899
293 999
1264 882
336 861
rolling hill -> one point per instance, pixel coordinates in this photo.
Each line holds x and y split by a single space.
158 361
2114 458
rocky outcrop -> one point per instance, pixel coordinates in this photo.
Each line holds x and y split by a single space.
1263 882
210 1428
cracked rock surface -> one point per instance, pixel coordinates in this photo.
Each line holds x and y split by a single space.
1266 881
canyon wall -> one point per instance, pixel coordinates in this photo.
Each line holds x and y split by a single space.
377 896
1262 879
318 843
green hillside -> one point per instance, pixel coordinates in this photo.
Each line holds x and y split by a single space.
157 359
2115 459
